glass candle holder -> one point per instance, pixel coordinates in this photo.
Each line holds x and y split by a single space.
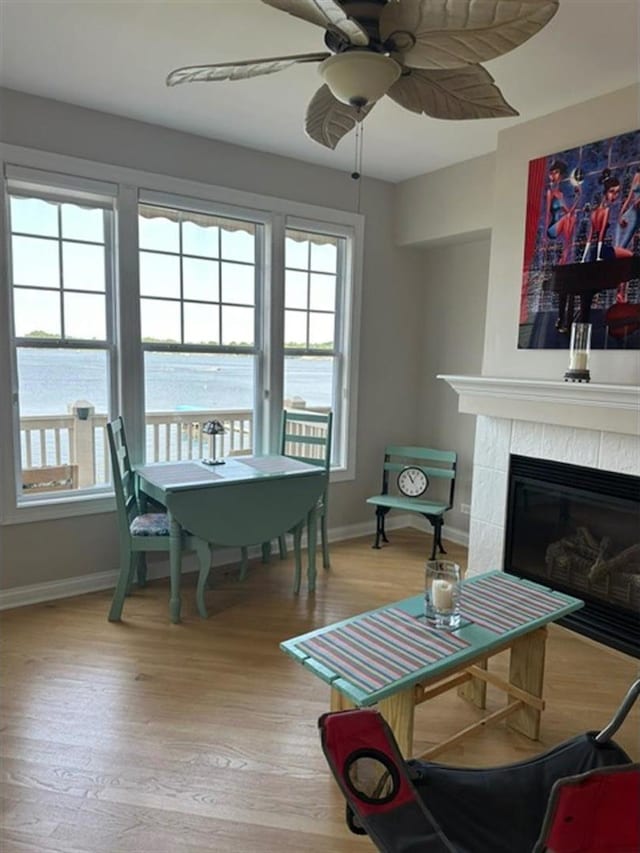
442 594
579 351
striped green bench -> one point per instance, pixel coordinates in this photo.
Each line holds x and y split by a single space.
438 465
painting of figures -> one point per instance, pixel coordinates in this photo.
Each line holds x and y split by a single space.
582 246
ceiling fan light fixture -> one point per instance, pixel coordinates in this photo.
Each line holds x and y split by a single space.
359 77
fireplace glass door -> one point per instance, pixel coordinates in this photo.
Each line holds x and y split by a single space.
577 530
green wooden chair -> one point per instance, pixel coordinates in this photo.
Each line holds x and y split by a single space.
139 532
406 478
306 436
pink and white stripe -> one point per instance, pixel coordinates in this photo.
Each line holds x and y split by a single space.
378 649
501 604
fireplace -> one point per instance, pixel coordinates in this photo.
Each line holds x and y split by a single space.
577 530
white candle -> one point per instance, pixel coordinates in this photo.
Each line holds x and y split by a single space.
442 595
578 360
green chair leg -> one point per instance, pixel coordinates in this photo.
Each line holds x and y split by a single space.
203 552
297 549
266 552
282 546
244 562
122 587
134 563
312 538
141 569
325 542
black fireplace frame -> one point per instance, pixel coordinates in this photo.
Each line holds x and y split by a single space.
596 618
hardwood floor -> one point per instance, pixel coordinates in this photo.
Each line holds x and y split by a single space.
146 736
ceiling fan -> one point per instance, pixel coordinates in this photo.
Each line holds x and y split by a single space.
424 54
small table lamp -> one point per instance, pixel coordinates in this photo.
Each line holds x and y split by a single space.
213 428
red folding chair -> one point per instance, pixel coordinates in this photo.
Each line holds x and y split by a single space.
582 796
596 811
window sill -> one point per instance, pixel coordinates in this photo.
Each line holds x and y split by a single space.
341 475
50 509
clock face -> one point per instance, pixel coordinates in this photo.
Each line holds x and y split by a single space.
412 481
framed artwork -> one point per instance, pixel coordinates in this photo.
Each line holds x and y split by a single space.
582 246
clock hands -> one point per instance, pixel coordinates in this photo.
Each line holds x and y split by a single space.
412 481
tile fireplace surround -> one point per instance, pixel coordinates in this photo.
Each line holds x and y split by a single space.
596 426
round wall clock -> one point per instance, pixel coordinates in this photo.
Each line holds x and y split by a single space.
412 481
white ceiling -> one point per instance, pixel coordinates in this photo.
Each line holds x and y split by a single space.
114 55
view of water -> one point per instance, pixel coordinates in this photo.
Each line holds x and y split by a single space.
52 379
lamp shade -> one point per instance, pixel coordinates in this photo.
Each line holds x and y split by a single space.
359 77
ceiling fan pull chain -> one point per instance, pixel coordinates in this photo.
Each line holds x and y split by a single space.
357 172
357 166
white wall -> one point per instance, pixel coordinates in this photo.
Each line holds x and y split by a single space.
449 213
390 333
442 205
453 307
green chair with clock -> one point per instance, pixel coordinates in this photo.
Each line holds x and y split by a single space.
407 475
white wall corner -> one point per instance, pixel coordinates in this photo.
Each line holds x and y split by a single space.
427 209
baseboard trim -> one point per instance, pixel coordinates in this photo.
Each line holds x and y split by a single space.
38 593
21 596
453 534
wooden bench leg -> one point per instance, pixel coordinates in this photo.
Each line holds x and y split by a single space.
340 702
475 690
398 711
526 671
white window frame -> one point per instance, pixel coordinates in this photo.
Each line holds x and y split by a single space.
132 186
343 349
259 348
34 183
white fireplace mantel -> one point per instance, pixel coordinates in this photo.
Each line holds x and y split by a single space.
609 408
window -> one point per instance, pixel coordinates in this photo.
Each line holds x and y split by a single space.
198 276
60 276
314 281
171 309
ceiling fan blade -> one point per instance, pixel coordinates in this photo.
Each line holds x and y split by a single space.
324 13
328 119
451 33
239 70
459 93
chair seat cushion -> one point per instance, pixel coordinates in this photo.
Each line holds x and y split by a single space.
150 524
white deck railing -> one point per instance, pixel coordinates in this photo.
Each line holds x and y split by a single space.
79 439
49 441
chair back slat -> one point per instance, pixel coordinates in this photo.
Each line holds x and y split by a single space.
436 464
306 436
308 417
123 475
414 453
443 473
321 441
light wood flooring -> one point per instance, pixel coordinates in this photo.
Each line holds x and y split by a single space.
145 736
